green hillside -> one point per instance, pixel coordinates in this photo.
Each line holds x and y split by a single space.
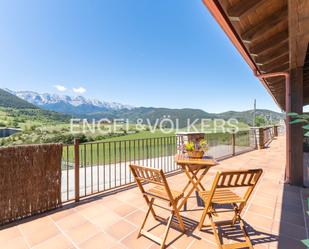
247 116
11 101
15 112
153 114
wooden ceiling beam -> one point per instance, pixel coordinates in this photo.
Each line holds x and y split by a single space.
280 91
265 25
298 27
276 58
273 67
243 7
275 84
306 73
273 54
276 80
277 88
269 44
278 68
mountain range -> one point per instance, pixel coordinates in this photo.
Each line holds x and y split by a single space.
66 104
82 107
20 109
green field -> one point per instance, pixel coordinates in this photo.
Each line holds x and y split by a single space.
140 146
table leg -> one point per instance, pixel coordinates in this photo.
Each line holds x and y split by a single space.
195 184
194 176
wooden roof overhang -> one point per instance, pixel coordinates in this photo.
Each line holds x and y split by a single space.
271 35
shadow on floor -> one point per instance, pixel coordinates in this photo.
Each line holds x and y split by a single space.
235 235
293 221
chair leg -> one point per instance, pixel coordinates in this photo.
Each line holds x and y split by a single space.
236 214
244 230
201 224
146 217
152 211
214 228
166 230
181 225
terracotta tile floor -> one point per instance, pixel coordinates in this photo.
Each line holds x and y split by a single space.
274 215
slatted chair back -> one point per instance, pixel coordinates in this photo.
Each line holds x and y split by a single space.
235 179
232 180
150 175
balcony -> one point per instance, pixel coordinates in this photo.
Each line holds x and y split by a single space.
275 215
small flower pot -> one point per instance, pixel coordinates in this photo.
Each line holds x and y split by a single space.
196 154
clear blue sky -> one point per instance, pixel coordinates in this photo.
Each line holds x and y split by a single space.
166 53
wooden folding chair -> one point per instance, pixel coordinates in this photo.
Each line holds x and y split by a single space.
160 191
222 193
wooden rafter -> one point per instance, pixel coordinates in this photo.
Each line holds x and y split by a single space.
276 58
280 68
269 44
244 7
273 63
273 54
265 26
277 86
275 80
299 31
279 91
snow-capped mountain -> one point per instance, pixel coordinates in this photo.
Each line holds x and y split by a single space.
68 104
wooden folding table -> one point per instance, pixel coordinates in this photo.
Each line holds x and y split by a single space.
192 169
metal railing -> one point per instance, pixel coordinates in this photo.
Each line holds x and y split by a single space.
264 135
91 168
268 134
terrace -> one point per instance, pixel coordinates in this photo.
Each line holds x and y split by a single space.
275 214
98 206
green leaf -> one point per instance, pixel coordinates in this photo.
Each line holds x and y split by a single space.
291 114
306 127
299 120
305 116
305 242
307 134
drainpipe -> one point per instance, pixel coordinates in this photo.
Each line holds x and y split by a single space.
288 168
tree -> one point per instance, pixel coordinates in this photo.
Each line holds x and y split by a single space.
260 121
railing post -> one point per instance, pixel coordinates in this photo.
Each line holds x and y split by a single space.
261 138
233 143
275 131
76 168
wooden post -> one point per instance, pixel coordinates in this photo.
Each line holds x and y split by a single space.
275 131
233 143
295 131
76 168
261 138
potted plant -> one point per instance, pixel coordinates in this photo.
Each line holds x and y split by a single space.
196 150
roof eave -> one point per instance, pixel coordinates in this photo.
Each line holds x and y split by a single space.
219 15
